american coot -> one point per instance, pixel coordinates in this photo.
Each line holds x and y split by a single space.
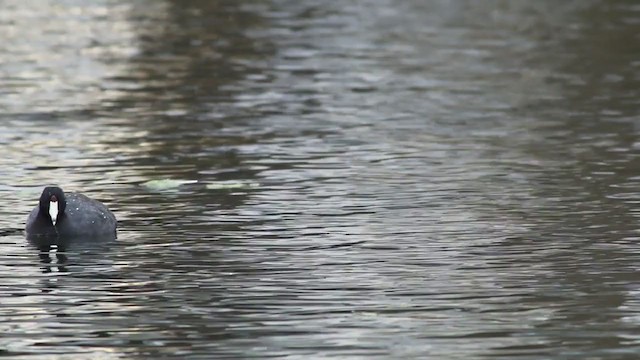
65 216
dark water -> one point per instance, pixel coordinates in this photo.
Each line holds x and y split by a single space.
375 178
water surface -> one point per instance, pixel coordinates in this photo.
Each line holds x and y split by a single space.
369 179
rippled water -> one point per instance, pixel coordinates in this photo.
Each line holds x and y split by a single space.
375 179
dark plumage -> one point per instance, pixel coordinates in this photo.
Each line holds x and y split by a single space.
77 216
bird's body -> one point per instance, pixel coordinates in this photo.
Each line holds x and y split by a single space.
74 215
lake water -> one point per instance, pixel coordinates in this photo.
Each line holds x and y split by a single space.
366 179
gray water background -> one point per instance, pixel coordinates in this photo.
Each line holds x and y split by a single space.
376 179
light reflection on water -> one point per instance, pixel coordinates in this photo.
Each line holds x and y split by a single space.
448 180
